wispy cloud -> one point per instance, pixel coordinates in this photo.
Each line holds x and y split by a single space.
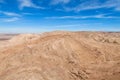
10 16
99 16
10 13
27 13
54 2
95 4
13 19
28 3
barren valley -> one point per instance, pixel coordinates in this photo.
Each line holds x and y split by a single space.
60 55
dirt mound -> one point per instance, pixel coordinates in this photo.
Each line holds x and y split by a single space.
61 55
23 38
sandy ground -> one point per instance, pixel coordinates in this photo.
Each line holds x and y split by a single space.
4 39
60 55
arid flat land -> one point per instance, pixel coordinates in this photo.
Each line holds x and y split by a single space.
60 55
6 36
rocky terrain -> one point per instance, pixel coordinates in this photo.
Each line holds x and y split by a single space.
61 55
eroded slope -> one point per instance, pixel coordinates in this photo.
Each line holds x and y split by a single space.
61 56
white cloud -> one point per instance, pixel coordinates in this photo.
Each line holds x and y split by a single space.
27 13
99 16
95 4
13 19
9 13
10 16
28 3
54 2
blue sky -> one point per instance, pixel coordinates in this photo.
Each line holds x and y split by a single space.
35 16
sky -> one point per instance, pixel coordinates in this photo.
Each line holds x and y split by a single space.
36 16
